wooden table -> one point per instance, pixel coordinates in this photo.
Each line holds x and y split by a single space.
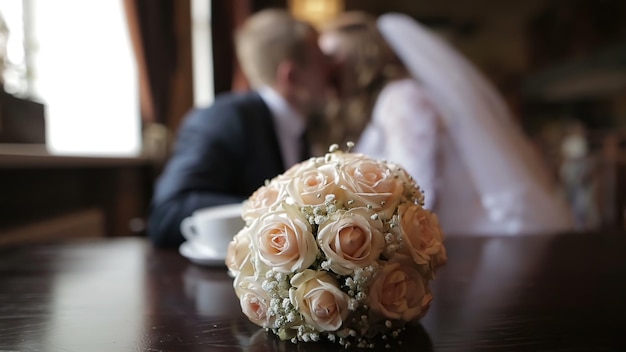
539 293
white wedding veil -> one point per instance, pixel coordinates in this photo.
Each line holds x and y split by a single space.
513 183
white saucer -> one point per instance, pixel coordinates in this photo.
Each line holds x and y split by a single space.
201 256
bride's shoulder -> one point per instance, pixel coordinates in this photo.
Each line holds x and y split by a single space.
403 91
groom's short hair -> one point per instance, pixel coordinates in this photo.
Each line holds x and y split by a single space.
268 38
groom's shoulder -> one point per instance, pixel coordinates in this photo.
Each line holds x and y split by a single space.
228 106
235 100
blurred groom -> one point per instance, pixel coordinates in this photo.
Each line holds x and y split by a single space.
224 152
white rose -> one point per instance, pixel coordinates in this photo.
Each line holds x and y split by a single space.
318 298
371 183
351 239
398 291
284 240
255 302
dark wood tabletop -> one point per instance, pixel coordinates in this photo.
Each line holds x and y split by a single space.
530 293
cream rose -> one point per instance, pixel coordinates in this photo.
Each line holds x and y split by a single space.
316 295
262 200
371 183
284 240
351 239
311 185
412 190
421 233
250 271
238 253
255 302
303 165
398 291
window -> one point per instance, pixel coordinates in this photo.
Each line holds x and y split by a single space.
79 62
15 73
201 51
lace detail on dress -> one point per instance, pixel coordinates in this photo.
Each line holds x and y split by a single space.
404 130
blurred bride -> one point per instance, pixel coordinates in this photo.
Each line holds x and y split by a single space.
408 97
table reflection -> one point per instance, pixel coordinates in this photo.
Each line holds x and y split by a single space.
77 304
522 293
211 291
212 295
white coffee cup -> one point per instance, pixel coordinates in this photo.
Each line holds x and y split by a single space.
211 229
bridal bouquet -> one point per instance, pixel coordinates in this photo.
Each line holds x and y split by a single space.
338 247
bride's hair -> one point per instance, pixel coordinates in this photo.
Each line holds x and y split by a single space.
372 64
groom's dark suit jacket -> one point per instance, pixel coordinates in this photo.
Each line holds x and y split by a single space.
222 154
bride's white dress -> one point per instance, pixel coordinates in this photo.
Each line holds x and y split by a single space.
454 134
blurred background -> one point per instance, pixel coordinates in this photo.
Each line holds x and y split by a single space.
93 93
